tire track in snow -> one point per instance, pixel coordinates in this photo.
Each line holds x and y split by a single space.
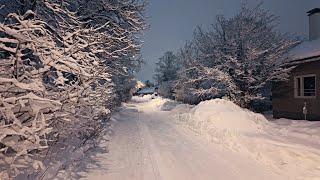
144 135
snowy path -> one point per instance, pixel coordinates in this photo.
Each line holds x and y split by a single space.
148 145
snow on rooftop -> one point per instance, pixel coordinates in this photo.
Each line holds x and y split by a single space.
146 90
305 50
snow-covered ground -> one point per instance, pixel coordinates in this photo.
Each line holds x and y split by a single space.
161 139
291 148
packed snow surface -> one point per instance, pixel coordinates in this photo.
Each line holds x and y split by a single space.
156 138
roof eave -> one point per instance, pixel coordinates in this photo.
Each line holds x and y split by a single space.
302 60
313 11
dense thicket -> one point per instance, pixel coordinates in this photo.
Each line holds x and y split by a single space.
65 65
236 58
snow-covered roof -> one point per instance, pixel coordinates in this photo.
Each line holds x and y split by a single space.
305 50
146 90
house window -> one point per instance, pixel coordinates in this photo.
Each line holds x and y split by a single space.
305 86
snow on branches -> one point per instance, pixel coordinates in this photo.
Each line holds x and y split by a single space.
244 49
198 84
62 63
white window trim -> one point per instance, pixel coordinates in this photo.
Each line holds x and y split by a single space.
302 87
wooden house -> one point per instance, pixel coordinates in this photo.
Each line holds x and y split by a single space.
301 94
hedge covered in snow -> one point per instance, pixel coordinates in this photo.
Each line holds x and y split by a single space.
64 67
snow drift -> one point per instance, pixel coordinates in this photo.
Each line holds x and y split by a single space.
284 146
220 119
226 116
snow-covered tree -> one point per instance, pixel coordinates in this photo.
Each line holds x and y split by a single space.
198 84
247 48
197 81
166 73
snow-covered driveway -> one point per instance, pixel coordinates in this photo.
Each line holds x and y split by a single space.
147 144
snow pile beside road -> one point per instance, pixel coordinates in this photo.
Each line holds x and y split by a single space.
220 120
139 99
226 116
280 145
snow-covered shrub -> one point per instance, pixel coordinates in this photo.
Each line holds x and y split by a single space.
62 64
26 107
199 84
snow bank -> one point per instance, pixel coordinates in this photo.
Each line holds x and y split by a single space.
220 120
140 99
290 147
226 116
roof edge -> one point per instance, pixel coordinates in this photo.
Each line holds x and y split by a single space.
302 61
313 11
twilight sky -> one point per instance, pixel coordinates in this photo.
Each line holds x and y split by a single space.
172 22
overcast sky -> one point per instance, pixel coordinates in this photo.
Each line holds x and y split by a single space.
172 22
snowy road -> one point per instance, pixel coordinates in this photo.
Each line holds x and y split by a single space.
148 145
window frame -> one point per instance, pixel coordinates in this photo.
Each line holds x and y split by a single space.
302 96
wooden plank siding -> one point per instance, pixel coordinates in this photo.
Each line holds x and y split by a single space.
284 103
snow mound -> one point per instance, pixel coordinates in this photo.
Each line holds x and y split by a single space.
220 118
227 116
289 147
